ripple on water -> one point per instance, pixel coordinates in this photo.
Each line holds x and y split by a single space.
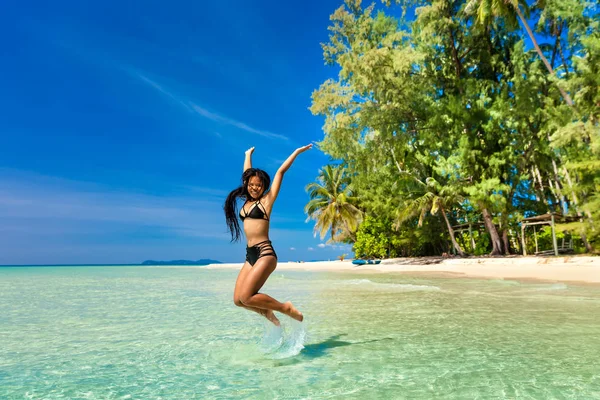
368 284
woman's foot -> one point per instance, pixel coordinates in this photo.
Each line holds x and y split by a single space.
292 312
270 315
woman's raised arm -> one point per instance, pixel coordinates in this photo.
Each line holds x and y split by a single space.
276 185
248 159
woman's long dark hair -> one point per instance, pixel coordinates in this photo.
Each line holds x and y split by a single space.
230 207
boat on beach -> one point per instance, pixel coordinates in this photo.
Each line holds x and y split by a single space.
363 262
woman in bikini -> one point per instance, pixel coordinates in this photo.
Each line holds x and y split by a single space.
261 259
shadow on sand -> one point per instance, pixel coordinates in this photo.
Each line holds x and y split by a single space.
415 261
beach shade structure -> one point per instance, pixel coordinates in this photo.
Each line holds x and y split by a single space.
547 219
467 227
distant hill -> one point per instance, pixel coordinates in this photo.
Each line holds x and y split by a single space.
203 261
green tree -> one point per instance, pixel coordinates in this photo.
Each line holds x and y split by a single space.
578 140
510 11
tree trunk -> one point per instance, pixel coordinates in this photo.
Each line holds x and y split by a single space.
564 94
491 228
539 196
519 245
505 241
588 246
563 200
555 194
451 232
539 178
570 182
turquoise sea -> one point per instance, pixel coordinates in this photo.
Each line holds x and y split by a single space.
174 333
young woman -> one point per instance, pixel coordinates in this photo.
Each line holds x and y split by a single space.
261 258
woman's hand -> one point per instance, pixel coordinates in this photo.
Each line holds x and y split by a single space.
250 151
304 148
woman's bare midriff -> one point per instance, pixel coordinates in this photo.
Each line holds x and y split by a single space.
256 231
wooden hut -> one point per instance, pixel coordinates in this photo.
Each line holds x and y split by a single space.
547 219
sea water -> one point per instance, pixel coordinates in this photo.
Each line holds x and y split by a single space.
174 333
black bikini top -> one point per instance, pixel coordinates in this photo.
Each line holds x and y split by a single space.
256 212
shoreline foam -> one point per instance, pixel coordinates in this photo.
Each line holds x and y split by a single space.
584 269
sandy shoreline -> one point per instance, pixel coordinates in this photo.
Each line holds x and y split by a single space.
564 269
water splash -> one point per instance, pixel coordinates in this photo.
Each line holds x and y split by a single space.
284 341
272 338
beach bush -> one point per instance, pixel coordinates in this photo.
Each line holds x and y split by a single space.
377 238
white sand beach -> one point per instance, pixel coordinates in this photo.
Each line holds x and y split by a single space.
566 268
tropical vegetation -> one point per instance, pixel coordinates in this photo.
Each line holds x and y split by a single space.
458 113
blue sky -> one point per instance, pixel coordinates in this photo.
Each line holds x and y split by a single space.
124 126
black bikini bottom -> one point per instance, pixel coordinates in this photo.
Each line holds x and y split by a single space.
259 250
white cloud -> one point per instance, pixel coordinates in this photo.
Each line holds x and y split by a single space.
161 89
292 248
203 112
240 125
321 245
310 249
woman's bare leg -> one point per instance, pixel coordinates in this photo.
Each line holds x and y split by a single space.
268 314
253 281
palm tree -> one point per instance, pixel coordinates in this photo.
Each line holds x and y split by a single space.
509 10
432 197
330 205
